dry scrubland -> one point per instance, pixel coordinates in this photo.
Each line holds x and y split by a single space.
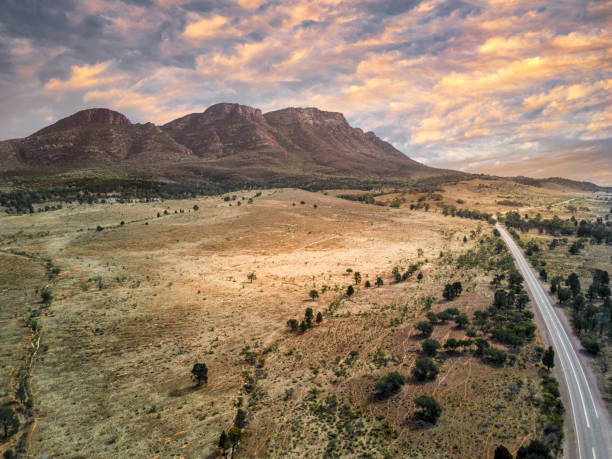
559 262
135 306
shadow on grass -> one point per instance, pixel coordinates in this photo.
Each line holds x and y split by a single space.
184 391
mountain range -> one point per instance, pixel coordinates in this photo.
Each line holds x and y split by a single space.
225 142
228 144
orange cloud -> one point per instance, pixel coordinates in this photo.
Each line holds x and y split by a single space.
83 77
206 27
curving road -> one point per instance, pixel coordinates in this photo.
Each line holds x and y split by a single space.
593 431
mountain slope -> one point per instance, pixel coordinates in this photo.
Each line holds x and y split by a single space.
96 136
305 139
226 143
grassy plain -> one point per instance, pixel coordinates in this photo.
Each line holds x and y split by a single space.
136 305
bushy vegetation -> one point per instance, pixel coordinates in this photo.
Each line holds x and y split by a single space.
466 213
390 384
429 410
425 369
598 231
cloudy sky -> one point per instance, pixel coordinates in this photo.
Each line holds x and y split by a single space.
500 86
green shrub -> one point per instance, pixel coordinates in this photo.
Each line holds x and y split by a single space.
425 369
390 384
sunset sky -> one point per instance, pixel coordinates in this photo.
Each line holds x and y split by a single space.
501 86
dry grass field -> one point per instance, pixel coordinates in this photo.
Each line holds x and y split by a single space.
135 305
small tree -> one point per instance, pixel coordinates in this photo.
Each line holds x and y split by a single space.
496 355
425 369
448 293
535 449
430 347
443 316
200 373
590 344
224 442
350 290
426 328
251 277
548 358
500 299
379 281
564 294
432 317
451 344
240 420
8 420
196 207
501 452
293 324
429 410
367 284
313 294
357 277
390 384
46 295
308 316
462 320
319 318
235 435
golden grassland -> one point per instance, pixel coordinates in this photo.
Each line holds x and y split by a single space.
136 305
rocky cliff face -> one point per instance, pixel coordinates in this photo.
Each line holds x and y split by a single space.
222 130
89 117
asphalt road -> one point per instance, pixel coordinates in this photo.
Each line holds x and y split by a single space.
593 430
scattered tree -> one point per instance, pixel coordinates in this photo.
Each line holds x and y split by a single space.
293 324
426 328
350 290
46 295
367 284
590 344
8 420
425 369
390 384
548 358
429 410
235 435
379 281
319 318
224 442
251 277
313 294
462 320
308 316
501 452
430 347
451 291
240 420
451 344
200 373
357 277
535 450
